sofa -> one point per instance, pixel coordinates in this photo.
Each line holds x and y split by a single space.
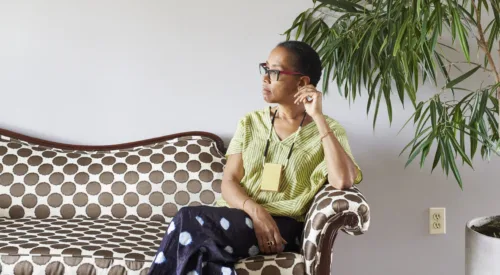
72 209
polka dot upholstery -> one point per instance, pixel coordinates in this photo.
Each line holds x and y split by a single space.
144 183
98 212
78 246
328 204
280 264
106 211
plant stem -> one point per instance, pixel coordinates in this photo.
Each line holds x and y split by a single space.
483 43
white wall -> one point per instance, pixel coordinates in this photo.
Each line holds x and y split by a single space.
104 72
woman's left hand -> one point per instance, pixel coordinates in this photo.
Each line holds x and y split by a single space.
314 107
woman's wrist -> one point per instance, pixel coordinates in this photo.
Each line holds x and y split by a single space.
326 134
322 124
318 117
243 204
251 207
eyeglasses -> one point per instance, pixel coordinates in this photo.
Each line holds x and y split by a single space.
274 75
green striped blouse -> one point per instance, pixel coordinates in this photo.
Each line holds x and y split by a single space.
305 173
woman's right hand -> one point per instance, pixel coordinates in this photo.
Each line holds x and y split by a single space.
232 191
266 229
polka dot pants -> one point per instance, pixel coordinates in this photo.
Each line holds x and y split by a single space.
210 240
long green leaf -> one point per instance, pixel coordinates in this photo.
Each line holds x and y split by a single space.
387 97
423 121
397 45
312 32
425 151
376 109
418 111
433 115
462 35
428 139
483 104
386 40
492 121
462 135
461 78
458 148
473 141
429 63
299 29
444 160
453 165
324 35
437 156
326 75
443 69
294 25
467 14
413 141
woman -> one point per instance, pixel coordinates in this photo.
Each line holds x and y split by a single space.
276 162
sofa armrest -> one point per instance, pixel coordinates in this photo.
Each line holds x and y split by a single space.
331 211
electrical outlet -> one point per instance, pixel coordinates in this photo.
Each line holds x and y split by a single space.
437 221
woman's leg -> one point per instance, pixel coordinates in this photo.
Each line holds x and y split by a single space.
212 239
291 230
205 238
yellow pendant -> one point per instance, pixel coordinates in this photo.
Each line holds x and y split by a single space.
271 177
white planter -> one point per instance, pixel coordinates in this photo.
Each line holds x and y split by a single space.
482 253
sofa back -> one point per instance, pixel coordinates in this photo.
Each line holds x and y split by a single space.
148 180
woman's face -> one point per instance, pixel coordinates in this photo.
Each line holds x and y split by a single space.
282 90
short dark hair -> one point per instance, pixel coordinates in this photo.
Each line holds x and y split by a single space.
307 60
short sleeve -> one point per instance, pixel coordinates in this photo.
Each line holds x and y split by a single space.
340 134
236 144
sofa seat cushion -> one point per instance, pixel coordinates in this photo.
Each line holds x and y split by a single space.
78 246
103 246
286 263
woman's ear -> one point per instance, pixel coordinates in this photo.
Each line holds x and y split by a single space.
304 81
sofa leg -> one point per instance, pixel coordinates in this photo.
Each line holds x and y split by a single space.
335 224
